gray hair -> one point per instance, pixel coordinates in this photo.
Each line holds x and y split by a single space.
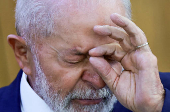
127 6
35 18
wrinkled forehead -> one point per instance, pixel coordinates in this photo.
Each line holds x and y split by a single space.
86 6
94 12
75 19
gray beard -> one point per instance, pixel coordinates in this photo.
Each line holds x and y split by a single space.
57 104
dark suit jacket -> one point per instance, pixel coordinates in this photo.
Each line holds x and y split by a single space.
10 96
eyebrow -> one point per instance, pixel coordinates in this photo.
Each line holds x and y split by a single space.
72 51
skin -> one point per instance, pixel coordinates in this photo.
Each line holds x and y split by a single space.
70 57
138 87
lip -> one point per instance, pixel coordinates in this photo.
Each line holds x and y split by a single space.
88 101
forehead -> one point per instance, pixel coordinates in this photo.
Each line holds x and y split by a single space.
75 20
72 11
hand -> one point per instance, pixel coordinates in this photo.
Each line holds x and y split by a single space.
138 86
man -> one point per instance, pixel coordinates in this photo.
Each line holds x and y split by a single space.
72 52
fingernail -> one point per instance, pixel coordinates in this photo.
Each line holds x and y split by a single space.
116 14
97 26
92 50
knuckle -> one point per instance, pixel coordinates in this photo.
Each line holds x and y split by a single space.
107 72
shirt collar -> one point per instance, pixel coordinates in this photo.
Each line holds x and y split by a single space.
30 101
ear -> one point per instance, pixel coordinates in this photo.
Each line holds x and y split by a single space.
19 47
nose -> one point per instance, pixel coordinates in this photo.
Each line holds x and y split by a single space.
92 78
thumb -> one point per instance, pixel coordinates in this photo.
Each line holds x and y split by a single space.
105 70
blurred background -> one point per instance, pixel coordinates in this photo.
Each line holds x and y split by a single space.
153 17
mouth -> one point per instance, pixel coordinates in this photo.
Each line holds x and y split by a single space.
88 101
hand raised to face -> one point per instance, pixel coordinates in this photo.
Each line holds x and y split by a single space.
138 87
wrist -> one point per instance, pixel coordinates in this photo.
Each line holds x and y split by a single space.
160 104
155 106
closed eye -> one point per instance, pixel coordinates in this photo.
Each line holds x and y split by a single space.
73 62
77 60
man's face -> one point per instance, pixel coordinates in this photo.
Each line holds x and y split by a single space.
64 77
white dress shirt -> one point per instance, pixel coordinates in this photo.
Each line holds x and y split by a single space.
30 101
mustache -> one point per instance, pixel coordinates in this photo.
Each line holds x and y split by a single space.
89 93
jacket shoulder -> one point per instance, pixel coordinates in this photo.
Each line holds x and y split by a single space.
165 79
10 96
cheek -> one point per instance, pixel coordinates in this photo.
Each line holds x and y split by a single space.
60 79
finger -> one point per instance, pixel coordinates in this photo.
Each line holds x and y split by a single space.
116 66
113 51
115 33
107 73
135 33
